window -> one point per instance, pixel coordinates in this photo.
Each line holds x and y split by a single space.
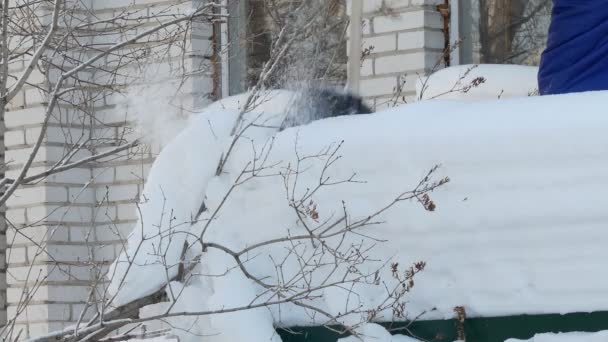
503 31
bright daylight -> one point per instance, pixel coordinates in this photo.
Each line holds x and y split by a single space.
303 170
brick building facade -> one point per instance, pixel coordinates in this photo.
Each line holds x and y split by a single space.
82 216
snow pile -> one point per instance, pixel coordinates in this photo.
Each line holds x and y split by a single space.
525 206
176 188
601 336
376 333
499 81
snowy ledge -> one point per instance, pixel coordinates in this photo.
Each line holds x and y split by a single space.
520 229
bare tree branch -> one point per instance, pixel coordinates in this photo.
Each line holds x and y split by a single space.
36 56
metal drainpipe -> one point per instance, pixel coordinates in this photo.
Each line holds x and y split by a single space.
354 68
455 31
224 54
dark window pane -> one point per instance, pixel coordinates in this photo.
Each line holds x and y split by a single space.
503 31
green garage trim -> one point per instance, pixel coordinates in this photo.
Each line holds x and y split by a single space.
492 329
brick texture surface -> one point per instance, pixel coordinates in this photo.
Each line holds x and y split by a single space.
403 41
84 215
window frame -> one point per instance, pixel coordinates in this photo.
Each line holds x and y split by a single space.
456 17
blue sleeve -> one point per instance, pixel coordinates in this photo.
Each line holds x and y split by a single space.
576 57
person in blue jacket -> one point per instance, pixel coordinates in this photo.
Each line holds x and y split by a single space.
576 57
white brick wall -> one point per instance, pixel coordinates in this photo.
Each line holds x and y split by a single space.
86 212
381 43
83 215
405 41
23 117
378 86
420 40
42 194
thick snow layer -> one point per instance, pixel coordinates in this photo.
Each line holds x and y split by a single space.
500 81
176 188
519 229
601 336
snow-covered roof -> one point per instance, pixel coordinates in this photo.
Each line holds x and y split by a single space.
479 82
519 229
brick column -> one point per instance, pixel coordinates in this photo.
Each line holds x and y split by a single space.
119 182
46 256
64 231
402 40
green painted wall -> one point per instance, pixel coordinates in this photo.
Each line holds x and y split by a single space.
495 329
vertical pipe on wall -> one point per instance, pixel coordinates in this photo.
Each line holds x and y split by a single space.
224 54
237 54
354 65
455 31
